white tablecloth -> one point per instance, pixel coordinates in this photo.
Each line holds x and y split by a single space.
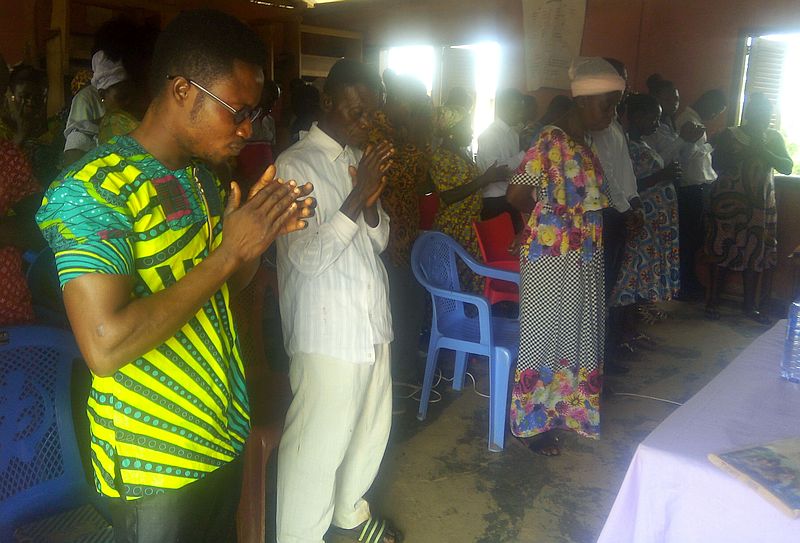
672 493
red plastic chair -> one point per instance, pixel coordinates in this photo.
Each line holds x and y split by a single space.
494 238
428 206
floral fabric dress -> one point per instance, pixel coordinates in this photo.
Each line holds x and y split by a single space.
558 378
17 183
448 171
651 263
743 225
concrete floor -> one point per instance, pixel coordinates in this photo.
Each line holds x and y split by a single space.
439 482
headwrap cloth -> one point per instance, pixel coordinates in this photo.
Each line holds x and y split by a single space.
591 76
447 117
107 73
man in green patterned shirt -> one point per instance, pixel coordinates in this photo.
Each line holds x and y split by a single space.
148 255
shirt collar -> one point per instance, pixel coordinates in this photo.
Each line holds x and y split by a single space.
502 125
329 146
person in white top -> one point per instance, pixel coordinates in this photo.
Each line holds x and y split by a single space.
499 144
336 321
695 188
622 217
682 144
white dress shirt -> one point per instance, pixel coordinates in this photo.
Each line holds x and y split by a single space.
697 168
611 145
333 286
672 148
499 142
83 121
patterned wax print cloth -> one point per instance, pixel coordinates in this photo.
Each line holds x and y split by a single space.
400 198
180 411
650 264
558 378
743 224
16 183
450 170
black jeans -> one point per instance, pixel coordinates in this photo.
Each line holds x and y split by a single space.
407 302
691 211
198 512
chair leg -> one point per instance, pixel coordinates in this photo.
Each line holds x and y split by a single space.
459 370
427 383
499 372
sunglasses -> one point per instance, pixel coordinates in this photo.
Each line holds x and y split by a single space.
247 113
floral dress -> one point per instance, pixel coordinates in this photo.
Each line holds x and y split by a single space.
743 225
400 198
17 184
558 377
651 264
448 171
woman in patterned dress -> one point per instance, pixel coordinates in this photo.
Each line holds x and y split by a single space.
651 267
458 183
743 221
562 308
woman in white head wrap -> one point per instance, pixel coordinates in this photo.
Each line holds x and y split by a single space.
562 308
118 96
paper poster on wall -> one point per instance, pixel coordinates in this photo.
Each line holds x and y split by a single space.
553 34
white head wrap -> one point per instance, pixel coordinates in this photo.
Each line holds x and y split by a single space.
590 76
106 72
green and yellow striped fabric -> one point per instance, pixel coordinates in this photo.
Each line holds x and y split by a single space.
181 410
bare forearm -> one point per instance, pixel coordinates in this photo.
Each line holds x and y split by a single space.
113 337
521 198
353 205
371 216
459 193
243 276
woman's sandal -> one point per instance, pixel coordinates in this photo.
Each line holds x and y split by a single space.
758 316
374 530
542 444
659 314
645 315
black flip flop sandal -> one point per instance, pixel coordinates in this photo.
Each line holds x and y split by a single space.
374 530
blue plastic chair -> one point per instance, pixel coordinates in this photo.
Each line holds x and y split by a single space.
40 468
433 260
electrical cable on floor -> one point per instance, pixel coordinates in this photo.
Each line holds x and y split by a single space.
645 397
439 378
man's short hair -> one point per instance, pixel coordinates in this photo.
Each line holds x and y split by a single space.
24 73
203 45
349 73
507 97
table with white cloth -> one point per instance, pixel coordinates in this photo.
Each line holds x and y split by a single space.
672 492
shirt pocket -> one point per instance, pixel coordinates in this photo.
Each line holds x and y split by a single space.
176 203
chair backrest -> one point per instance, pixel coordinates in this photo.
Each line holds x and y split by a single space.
428 206
433 261
495 237
40 467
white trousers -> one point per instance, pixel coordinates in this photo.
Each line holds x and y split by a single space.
333 442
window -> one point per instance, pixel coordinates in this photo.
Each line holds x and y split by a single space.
771 67
473 66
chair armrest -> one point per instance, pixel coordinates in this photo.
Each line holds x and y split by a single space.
495 271
484 312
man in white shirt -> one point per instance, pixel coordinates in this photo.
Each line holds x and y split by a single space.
336 321
499 143
694 190
623 216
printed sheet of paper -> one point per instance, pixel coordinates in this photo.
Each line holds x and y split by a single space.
553 34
